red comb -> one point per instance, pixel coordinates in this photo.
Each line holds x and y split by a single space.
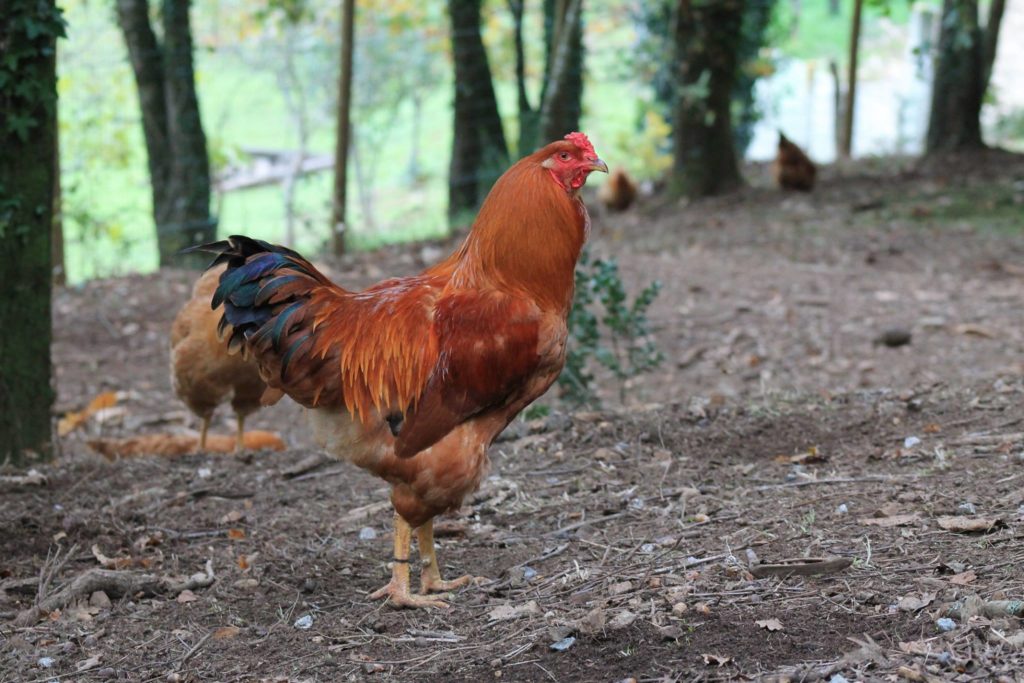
581 141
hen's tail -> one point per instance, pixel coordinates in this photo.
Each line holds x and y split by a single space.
267 291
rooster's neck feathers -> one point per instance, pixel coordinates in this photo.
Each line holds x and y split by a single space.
526 238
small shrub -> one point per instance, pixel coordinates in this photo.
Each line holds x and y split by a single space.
607 328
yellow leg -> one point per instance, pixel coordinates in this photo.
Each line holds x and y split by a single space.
430 574
397 590
240 436
202 433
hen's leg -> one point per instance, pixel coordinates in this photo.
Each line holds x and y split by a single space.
430 575
397 590
202 433
239 437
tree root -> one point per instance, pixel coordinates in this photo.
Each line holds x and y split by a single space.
115 584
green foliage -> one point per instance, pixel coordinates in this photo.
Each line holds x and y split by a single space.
28 29
617 337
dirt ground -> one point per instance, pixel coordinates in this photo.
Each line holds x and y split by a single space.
633 542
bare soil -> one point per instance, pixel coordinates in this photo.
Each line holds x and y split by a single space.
777 429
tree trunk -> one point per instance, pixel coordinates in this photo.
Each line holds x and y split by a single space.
846 139
756 18
707 37
957 90
190 165
562 95
479 152
27 168
343 134
179 169
529 118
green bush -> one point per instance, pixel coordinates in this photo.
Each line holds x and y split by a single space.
607 328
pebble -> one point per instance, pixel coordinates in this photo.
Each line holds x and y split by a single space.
563 644
911 441
106 672
842 509
966 509
309 585
529 573
367 533
304 623
45 662
945 624
838 678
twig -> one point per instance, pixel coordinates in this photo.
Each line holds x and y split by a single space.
307 464
195 648
115 584
586 522
815 482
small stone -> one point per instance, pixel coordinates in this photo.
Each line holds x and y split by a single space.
204 473
911 441
945 624
106 673
563 644
304 623
367 533
842 509
45 662
174 677
894 337
90 641
838 678
529 573
496 663
309 585
966 509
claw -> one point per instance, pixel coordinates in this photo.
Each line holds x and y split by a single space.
399 596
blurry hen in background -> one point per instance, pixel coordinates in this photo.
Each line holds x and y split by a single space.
792 168
619 192
203 373
414 377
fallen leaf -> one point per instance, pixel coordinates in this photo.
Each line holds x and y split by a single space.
187 596
968 329
245 562
86 664
621 620
506 612
232 517
963 578
592 623
770 624
73 420
808 457
620 588
122 562
226 633
716 660
236 534
932 428
967 524
894 520
917 647
912 603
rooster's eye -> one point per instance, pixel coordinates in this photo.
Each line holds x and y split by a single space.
564 156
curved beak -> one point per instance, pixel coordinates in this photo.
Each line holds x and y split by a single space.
598 165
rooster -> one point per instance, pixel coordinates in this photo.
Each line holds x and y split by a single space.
203 373
792 168
413 378
619 193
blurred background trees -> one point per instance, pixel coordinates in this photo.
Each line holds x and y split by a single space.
183 120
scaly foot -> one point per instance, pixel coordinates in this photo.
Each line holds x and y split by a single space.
435 584
398 595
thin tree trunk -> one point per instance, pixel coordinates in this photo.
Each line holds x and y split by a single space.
562 96
179 168
479 152
707 37
27 170
846 141
343 143
528 116
957 91
147 64
189 161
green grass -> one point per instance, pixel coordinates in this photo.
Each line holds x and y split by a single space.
817 34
